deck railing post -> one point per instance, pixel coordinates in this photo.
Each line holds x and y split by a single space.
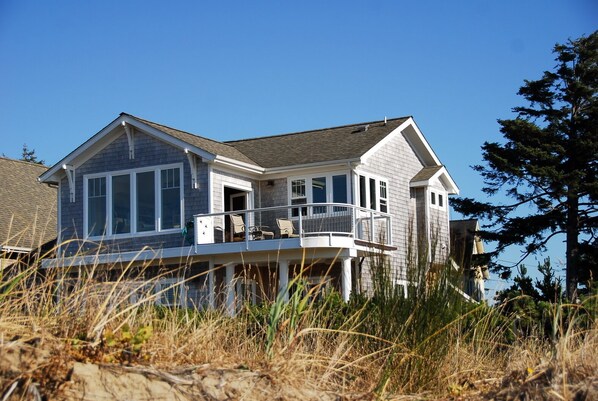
372 227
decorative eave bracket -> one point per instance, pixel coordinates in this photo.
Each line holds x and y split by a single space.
70 175
193 167
129 130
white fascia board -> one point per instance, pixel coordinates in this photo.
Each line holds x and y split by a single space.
238 165
51 175
146 256
452 187
104 137
284 171
416 139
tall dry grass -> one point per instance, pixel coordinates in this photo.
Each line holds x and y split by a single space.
431 342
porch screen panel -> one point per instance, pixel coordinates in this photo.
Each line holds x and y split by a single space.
121 204
146 202
96 206
318 187
170 184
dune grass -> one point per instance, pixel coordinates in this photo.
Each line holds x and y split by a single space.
430 342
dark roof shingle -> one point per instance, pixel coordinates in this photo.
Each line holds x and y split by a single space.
28 212
322 145
209 145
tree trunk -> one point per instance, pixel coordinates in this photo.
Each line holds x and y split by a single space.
572 258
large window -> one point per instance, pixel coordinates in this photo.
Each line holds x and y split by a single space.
331 188
171 198
373 193
138 201
96 206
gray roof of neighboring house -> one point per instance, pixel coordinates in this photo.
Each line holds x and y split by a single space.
338 143
28 212
214 147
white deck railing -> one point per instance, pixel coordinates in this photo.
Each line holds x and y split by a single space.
315 219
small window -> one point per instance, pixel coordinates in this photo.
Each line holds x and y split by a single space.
433 198
440 200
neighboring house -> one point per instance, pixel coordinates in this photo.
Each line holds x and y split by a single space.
253 211
27 212
467 252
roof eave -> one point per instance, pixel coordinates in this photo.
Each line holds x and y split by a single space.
86 150
284 169
443 175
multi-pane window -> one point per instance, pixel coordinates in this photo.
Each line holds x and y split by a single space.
373 193
320 189
298 196
96 206
170 184
134 202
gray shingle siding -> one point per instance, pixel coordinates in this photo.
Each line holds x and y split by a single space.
149 152
397 162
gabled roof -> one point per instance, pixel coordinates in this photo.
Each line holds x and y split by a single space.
347 142
269 154
27 207
428 174
209 145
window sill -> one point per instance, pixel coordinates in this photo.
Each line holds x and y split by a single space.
135 235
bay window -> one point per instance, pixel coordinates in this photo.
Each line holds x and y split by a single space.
136 201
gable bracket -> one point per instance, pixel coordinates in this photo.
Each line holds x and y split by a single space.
193 167
70 175
129 130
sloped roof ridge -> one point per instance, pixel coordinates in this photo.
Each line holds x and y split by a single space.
32 164
316 130
172 128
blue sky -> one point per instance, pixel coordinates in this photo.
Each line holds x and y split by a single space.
229 70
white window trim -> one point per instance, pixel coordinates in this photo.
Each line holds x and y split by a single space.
437 193
309 190
377 179
133 201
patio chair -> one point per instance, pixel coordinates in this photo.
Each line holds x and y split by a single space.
237 227
286 228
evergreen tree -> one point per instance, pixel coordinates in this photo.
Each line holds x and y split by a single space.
29 155
547 165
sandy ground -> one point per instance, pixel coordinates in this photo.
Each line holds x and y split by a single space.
29 371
